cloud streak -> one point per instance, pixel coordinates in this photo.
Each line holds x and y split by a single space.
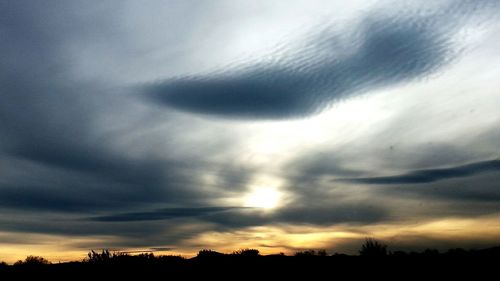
431 175
164 214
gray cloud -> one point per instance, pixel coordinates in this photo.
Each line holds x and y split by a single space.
165 213
476 194
431 175
236 217
55 153
382 51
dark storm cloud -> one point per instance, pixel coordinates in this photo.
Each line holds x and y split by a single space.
480 191
42 198
165 213
382 51
45 223
314 165
328 215
53 148
76 181
303 215
236 217
159 249
119 234
431 175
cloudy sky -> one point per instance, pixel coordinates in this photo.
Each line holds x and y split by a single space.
277 125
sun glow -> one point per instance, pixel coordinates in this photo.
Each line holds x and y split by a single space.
263 197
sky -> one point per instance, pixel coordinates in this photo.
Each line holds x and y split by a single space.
174 126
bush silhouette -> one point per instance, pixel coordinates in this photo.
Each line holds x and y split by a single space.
399 254
96 257
322 253
207 253
431 252
246 252
146 256
311 253
373 248
33 261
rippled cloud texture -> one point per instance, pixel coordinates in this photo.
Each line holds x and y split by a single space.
180 125
377 50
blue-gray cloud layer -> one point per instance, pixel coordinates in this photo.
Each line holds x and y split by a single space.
380 51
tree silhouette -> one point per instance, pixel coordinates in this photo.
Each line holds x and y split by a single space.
373 248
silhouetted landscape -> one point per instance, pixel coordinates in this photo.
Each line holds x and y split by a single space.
373 259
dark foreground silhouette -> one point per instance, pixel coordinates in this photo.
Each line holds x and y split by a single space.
373 261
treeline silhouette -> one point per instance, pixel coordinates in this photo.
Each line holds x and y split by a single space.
374 259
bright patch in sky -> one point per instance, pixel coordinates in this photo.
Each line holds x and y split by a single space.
263 197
